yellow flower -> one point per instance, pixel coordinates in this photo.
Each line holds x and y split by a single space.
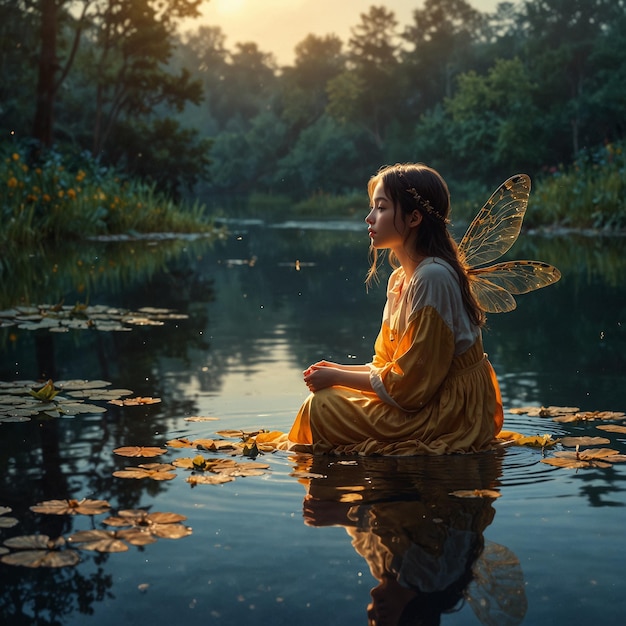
61 193
71 193
38 171
80 176
15 156
12 182
46 197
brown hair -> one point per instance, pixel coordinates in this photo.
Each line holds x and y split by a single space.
415 185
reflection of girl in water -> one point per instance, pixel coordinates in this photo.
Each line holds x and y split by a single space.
425 547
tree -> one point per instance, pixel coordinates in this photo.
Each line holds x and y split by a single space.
244 158
442 42
370 91
161 151
51 73
561 36
303 87
132 45
325 156
489 128
18 67
128 44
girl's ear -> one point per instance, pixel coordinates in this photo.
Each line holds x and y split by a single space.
415 218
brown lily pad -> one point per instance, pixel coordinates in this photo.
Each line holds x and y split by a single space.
98 540
590 416
71 507
543 411
155 471
135 451
138 401
613 428
572 442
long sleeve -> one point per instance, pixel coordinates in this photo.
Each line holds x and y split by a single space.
419 364
424 326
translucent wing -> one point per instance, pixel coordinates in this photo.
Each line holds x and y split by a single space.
497 592
492 299
496 227
492 233
492 286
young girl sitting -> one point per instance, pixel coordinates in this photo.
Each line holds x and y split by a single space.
429 388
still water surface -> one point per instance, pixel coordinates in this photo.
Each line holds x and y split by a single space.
261 305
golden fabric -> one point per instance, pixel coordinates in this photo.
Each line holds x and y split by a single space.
441 403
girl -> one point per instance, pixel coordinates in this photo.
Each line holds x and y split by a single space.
429 388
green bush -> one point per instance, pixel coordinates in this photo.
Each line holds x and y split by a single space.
591 193
59 197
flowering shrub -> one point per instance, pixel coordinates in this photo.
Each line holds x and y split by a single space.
52 199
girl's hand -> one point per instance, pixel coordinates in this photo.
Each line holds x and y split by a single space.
318 365
327 364
320 376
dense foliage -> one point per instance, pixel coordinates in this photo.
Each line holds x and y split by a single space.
531 88
60 198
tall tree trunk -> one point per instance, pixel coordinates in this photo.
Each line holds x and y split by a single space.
43 123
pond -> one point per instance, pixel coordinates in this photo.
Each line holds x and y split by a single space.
303 541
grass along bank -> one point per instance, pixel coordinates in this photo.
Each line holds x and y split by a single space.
55 201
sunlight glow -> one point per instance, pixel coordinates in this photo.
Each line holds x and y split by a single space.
229 7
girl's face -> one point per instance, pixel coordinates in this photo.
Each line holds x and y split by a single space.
388 228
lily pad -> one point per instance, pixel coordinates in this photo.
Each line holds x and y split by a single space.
592 457
536 441
612 428
145 526
77 384
135 451
137 536
135 401
544 411
38 551
100 394
155 471
572 442
71 507
57 318
26 399
98 540
199 418
590 416
7 522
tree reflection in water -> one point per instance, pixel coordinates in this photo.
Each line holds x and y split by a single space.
424 546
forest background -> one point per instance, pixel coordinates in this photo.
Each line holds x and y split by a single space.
112 92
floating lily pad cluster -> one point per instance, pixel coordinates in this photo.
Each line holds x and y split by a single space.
63 318
22 400
576 459
204 470
135 527
565 414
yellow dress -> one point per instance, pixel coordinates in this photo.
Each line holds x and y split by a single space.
435 392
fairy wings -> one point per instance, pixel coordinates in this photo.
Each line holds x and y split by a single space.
492 233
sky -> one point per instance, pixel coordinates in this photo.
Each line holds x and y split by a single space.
277 26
